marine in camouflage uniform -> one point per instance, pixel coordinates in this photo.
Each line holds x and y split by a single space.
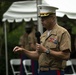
28 41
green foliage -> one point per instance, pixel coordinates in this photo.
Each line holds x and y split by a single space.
12 41
1 31
68 24
4 6
74 30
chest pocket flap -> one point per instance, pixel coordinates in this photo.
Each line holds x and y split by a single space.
51 42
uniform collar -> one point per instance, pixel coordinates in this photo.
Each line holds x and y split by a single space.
53 31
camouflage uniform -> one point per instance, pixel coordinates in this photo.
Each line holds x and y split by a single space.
26 40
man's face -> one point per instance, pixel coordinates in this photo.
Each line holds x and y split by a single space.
46 21
28 30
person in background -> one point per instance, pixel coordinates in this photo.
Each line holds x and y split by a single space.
28 38
55 44
27 41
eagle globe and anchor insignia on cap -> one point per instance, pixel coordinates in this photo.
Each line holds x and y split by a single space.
46 10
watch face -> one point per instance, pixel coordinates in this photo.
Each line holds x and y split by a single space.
47 51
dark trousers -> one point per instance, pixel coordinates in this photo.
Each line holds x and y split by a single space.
22 70
34 67
51 72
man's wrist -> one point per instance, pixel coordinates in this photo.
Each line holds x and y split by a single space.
23 49
47 51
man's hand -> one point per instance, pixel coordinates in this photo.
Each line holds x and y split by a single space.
40 48
17 48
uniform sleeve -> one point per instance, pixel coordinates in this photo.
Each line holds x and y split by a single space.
65 42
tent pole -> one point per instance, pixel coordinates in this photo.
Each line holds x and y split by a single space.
40 28
6 54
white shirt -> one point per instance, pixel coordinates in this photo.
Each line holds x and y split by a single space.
48 32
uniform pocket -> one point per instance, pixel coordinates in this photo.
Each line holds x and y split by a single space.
51 43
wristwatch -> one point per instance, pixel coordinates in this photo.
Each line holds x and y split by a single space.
47 51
